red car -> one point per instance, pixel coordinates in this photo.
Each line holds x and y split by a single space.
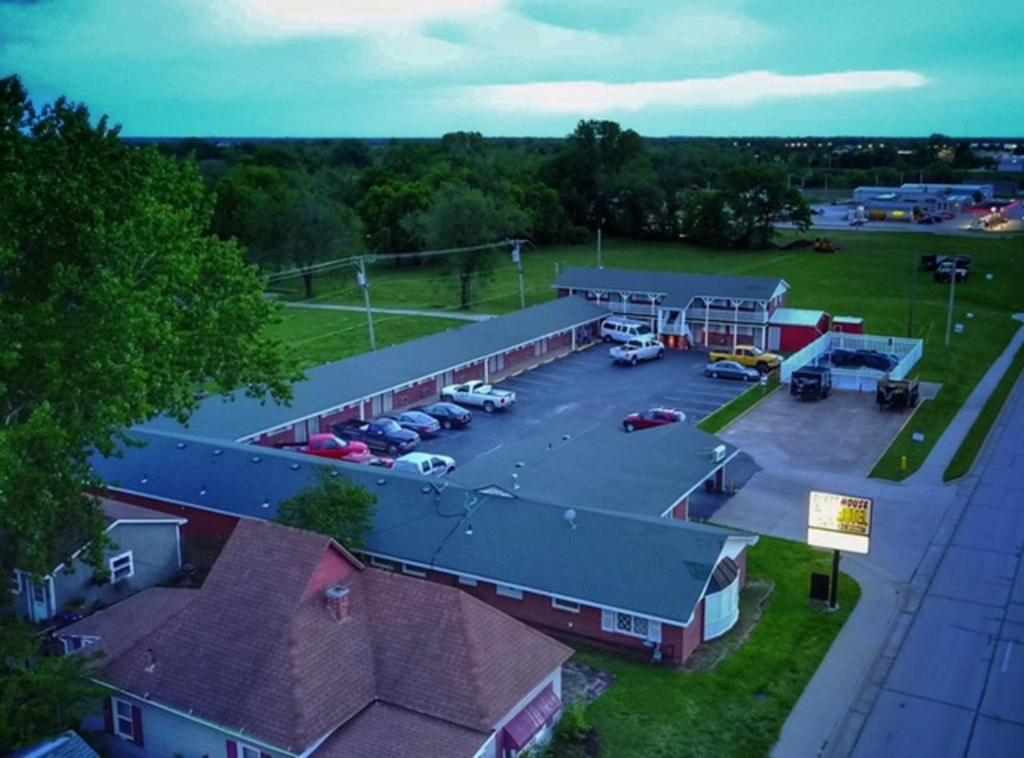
653 417
329 446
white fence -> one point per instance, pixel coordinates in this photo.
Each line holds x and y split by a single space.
909 352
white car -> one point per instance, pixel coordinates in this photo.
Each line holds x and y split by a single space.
479 394
636 350
425 464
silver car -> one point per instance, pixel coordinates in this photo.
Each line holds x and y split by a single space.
731 370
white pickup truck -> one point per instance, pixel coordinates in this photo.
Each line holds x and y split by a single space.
479 394
636 350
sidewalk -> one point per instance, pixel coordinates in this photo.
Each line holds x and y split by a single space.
453 315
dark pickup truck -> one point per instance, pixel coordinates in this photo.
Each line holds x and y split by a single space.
932 262
383 435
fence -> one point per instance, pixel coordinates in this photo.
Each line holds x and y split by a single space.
908 351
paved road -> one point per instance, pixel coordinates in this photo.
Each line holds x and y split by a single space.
454 315
951 680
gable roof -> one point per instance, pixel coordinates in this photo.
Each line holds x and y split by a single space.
796 317
651 566
337 384
66 745
678 289
257 652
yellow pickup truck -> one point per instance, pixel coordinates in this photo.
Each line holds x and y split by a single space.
748 355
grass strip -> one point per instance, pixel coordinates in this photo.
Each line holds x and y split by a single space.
731 411
969 448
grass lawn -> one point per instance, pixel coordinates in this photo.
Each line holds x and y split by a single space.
871 277
737 709
728 413
979 430
317 337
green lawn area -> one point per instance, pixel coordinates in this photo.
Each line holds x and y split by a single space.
871 277
737 709
979 430
316 337
728 413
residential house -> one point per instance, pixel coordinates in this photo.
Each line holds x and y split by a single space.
293 647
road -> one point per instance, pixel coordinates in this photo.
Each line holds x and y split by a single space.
454 315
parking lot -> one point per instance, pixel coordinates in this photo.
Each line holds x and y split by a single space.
575 393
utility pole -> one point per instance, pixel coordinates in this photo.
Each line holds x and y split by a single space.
949 314
600 263
517 259
913 294
365 284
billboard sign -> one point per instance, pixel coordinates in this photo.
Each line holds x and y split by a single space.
839 522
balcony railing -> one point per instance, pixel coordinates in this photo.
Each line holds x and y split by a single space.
727 314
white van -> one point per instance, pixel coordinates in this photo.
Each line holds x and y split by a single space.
425 464
624 329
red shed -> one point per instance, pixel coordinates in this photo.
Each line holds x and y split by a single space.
848 324
791 329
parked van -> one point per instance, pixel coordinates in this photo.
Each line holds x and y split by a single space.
425 464
624 329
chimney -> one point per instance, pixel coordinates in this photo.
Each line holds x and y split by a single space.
337 598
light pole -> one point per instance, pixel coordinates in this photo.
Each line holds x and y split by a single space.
600 225
952 294
517 259
365 284
913 294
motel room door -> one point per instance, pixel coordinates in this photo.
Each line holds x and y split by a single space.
774 338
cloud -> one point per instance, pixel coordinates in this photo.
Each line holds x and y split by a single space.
734 91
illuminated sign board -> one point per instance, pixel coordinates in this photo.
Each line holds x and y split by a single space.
839 522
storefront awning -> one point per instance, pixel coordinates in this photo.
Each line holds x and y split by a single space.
541 710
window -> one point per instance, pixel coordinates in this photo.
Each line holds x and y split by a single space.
565 605
16 585
630 625
121 567
77 642
413 571
468 581
124 723
247 751
505 591
383 565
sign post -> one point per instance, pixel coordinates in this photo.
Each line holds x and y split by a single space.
838 522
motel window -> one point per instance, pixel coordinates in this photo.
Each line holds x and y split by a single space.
745 331
124 722
630 625
468 581
382 565
413 571
565 605
505 591
247 751
121 567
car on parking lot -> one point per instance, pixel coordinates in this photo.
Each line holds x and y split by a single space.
623 329
384 435
415 421
425 464
651 418
731 370
478 393
326 445
748 355
448 415
640 349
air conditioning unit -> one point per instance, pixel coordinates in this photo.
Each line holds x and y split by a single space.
718 453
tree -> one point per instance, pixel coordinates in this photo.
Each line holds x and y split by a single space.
461 216
40 696
383 210
756 195
116 305
334 506
705 219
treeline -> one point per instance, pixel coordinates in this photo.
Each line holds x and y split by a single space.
296 202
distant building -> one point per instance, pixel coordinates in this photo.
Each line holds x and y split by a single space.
910 200
1011 164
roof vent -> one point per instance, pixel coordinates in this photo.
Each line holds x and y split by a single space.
202 489
218 451
337 597
265 504
570 517
335 472
181 446
718 453
294 467
425 489
382 481
255 459
144 479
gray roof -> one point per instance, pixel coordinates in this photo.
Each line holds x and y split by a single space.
66 745
677 289
332 385
643 473
796 317
650 566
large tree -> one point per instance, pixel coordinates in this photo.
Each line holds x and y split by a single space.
116 305
757 196
334 506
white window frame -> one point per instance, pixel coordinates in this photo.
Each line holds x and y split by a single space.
467 581
114 706
413 571
503 590
241 748
615 622
565 605
17 585
84 640
114 578
381 564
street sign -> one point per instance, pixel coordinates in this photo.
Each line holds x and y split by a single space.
839 522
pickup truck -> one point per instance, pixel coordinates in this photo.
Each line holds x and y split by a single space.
639 349
479 394
329 446
948 269
384 435
748 355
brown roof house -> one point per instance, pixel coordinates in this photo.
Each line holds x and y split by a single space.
293 647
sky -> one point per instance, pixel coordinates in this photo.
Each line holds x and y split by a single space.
420 68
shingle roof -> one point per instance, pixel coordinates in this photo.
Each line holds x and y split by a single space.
796 317
656 567
333 385
257 652
66 745
678 289
603 468
387 731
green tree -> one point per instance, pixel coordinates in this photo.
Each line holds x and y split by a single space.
334 506
383 210
115 306
705 218
756 196
461 216
40 696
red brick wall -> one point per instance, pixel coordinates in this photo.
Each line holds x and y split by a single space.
693 635
287 436
342 415
563 292
680 510
741 562
424 392
333 568
524 354
476 371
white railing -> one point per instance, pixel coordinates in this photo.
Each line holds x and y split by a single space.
727 314
908 350
908 361
805 355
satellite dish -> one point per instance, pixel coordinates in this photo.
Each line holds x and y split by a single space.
570 517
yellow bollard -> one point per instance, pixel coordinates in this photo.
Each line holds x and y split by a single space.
903 463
